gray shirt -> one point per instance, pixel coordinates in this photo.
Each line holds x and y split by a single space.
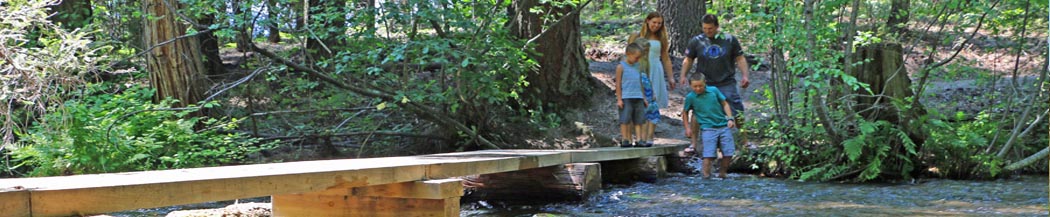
715 57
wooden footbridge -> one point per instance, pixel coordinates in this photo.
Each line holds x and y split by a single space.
426 185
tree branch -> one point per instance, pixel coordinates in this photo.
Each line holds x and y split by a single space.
351 134
1028 160
310 111
412 106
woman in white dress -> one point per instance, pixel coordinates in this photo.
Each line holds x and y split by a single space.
659 60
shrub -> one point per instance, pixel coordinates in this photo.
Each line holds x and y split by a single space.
127 132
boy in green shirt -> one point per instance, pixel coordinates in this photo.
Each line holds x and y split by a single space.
708 107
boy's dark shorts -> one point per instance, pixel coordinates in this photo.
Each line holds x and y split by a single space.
633 111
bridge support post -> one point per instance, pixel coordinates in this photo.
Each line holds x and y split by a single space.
419 198
567 182
646 169
14 203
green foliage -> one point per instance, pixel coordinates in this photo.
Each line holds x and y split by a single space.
126 132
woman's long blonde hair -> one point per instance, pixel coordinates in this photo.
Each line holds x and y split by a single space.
661 34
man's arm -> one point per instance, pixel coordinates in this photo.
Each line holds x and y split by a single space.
741 64
686 64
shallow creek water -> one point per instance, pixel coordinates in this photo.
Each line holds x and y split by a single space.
748 195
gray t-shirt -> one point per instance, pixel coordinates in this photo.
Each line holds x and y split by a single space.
715 57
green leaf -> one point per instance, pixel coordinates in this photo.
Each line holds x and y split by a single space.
853 147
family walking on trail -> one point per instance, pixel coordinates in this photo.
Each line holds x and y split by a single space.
712 109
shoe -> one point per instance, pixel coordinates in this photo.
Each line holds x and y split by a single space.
644 144
625 144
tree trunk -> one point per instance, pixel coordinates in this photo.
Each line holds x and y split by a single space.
175 67
887 77
899 14
562 77
210 48
244 30
72 14
275 32
682 20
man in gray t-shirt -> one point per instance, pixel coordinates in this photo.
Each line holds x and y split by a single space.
715 55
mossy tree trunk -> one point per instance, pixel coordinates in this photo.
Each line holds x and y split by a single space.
562 77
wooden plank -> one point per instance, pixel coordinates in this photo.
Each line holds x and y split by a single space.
419 198
616 153
430 189
66 202
92 194
334 205
14 203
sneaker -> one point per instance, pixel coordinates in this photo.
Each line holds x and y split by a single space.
625 144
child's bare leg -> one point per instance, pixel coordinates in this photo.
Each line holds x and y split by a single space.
639 130
724 168
707 167
625 132
650 129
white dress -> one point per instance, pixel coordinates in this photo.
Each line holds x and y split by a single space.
656 71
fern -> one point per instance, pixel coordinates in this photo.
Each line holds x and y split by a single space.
854 147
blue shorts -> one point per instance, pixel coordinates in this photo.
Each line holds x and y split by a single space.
718 137
633 111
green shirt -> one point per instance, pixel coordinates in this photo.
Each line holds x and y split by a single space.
707 107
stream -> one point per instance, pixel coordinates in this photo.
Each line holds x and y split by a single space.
749 195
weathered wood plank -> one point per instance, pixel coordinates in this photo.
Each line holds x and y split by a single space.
615 153
93 194
14 203
419 198
429 189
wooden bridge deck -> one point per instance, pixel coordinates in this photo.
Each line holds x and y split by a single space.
102 193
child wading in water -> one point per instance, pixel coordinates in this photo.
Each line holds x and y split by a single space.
629 96
711 111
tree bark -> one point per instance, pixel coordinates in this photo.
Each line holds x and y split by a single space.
899 16
682 20
562 77
210 47
175 65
